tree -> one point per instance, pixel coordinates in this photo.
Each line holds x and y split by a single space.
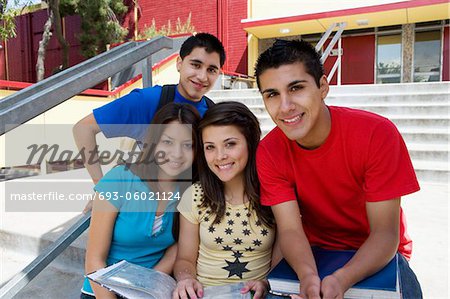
100 24
99 27
7 18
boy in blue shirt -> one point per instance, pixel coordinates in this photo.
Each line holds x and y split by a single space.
199 63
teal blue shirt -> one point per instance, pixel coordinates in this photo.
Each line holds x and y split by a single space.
132 238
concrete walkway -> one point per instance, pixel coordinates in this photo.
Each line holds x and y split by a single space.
426 212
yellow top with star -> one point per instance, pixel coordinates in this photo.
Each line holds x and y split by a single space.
239 248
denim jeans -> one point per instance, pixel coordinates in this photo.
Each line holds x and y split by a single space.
409 284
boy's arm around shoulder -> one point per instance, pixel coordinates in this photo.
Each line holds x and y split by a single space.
84 133
295 247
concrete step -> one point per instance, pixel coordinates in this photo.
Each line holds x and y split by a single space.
52 282
360 89
429 152
405 109
404 124
432 171
349 99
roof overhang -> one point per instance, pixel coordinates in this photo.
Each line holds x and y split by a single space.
357 18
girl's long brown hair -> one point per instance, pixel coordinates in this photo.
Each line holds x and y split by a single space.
146 168
236 114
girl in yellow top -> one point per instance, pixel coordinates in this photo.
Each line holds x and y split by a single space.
226 236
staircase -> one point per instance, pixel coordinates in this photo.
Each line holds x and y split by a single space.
421 111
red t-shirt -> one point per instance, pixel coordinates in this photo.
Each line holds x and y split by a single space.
364 159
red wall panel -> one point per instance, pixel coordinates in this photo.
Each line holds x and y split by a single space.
2 61
204 13
219 17
20 51
72 27
237 37
446 54
358 59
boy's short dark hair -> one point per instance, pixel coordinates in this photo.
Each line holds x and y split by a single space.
288 52
203 40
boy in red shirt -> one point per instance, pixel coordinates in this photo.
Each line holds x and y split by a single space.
334 176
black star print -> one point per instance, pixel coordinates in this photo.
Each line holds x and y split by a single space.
228 231
227 248
199 212
206 219
230 222
227 213
208 211
236 268
248 215
211 229
238 214
244 223
258 223
237 254
246 232
237 241
218 240
257 242
264 232
249 249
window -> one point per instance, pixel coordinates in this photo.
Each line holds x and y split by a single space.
427 56
389 58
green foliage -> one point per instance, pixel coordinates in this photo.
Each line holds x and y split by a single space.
7 20
99 23
165 30
9 10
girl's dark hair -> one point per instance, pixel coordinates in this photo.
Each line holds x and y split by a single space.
146 166
232 114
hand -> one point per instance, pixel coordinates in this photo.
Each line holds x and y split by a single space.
88 207
188 288
331 288
258 286
310 288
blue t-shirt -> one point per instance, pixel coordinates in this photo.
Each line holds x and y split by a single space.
132 239
136 110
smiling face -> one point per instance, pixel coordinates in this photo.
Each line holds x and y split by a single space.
177 145
295 103
198 72
226 152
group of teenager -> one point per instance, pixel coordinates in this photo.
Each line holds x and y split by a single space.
325 176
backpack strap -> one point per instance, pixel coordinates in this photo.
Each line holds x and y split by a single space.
209 102
167 95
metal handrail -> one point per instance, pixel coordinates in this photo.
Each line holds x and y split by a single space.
32 101
20 280
336 39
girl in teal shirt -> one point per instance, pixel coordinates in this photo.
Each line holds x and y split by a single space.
133 215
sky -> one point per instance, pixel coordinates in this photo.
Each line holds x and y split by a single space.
21 3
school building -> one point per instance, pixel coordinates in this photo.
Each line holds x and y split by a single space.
382 41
